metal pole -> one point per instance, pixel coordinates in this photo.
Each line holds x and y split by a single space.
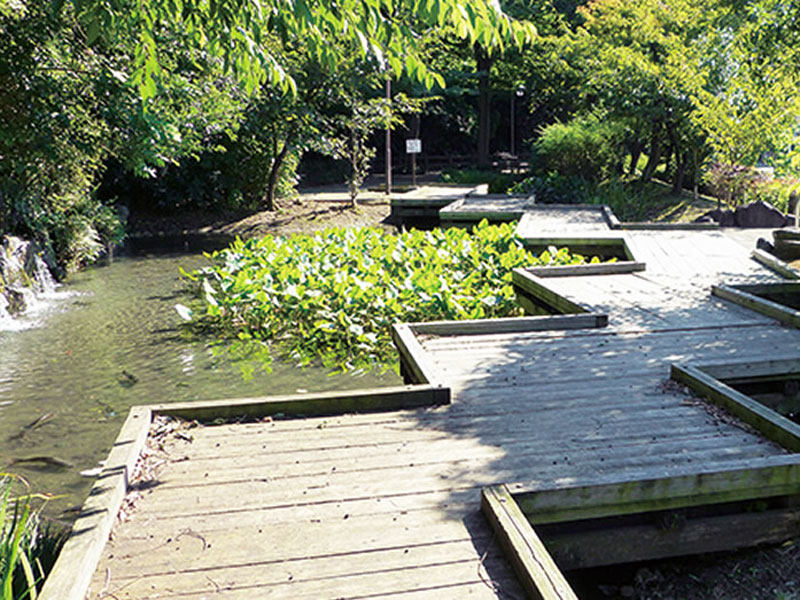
414 171
388 137
513 93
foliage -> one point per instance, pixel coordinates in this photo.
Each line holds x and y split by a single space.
729 181
334 295
780 192
554 188
587 147
498 183
238 32
26 552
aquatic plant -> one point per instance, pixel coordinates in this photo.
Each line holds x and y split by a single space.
20 567
334 295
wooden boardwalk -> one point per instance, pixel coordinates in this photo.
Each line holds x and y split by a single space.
387 505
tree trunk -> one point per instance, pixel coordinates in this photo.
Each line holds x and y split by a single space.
654 157
636 152
483 63
680 173
274 171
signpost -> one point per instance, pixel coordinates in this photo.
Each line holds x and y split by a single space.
413 147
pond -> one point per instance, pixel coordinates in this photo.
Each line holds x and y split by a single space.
110 339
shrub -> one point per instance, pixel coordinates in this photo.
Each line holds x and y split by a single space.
334 295
553 188
588 147
778 192
499 183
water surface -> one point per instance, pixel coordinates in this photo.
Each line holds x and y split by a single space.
111 339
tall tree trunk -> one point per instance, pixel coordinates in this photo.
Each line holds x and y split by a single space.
680 173
636 152
483 63
274 171
654 157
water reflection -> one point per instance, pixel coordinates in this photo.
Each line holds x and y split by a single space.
106 341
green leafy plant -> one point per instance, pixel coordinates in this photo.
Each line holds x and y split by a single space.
20 540
334 295
498 183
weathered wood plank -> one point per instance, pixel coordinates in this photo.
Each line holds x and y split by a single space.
72 572
772 309
509 325
750 368
530 285
537 571
633 543
417 360
607 268
544 502
773 262
317 404
772 425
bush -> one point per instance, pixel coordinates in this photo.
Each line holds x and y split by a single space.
553 188
334 295
499 183
587 147
779 192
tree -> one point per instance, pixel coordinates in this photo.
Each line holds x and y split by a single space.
237 32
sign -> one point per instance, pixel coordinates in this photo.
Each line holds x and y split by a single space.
413 146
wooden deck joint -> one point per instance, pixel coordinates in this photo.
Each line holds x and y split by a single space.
775 264
748 296
769 423
536 569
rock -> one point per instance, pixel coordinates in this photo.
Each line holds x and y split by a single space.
18 299
23 275
759 214
627 591
723 217
765 245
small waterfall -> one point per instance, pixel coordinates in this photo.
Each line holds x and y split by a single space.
25 280
44 282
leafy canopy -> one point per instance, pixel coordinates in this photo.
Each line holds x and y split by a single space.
238 31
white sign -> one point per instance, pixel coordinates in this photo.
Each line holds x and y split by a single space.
413 146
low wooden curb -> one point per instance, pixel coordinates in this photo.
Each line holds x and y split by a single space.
765 420
746 295
776 264
535 568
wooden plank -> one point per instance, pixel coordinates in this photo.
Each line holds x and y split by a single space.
633 543
611 219
533 564
659 226
788 287
573 500
531 285
772 425
767 307
418 361
306 405
776 264
751 369
608 268
447 580
510 325
72 572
